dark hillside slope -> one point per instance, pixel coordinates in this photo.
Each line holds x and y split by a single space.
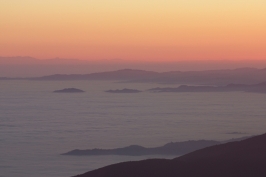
245 158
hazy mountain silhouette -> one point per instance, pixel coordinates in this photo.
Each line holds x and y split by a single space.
31 67
215 77
240 77
173 148
69 90
124 75
177 148
259 88
245 158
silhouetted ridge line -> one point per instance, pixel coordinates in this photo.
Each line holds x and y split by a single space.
69 90
245 158
208 77
123 75
178 148
173 148
259 88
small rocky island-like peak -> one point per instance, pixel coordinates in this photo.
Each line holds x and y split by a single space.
69 90
125 90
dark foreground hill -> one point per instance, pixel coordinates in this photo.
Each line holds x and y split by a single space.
245 158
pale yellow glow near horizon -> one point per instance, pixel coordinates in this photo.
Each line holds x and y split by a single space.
151 30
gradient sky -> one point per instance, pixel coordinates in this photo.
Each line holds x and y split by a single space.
150 30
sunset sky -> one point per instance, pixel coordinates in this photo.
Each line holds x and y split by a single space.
134 30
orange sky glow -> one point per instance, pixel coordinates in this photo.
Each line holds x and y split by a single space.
139 30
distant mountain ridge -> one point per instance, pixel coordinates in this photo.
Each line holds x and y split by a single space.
245 158
26 66
256 88
124 75
209 77
69 90
178 148
173 148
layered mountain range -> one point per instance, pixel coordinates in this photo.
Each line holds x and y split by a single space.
25 66
246 158
172 148
210 77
